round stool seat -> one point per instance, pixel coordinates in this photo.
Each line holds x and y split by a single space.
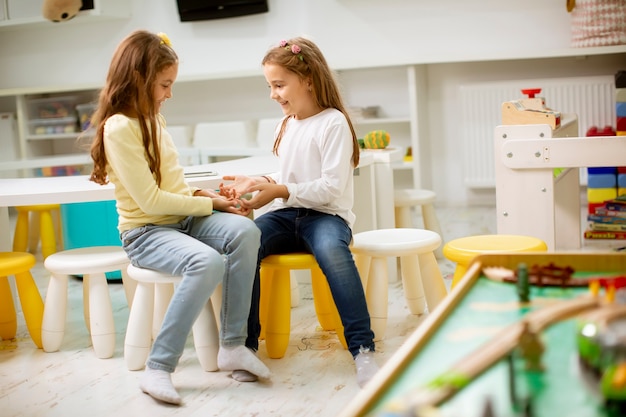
19 265
413 197
88 260
150 275
15 262
464 249
395 242
290 260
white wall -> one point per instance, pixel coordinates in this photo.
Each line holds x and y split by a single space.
352 33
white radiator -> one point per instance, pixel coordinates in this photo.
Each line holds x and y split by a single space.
592 99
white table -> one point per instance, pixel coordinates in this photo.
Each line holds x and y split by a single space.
371 207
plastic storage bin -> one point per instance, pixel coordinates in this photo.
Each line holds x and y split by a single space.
58 126
91 224
85 111
51 108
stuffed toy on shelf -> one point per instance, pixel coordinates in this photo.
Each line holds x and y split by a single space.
61 10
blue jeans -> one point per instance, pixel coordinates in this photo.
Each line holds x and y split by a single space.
328 238
205 251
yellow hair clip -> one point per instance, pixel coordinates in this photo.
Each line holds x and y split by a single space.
165 40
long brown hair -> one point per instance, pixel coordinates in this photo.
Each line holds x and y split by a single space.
129 90
309 63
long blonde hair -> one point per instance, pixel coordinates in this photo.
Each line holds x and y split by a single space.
129 90
309 64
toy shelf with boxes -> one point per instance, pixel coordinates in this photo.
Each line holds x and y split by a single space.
53 141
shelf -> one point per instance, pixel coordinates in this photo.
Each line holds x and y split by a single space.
49 161
53 136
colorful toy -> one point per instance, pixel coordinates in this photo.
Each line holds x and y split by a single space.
376 139
61 10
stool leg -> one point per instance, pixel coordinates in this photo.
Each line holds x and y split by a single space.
325 305
403 216
216 301
129 288
322 299
206 338
295 290
139 329
459 271
34 225
32 305
362 263
8 318
267 276
279 315
432 223
20 236
101 316
412 283
86 309
377 296
162 296
433 284
46 233
58 228
54 312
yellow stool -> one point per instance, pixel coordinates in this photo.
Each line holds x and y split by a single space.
464 249
275 302
19 265
49 228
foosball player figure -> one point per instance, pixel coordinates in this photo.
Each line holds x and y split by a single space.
523 286
531 347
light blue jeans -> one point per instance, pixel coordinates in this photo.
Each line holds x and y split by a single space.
205 251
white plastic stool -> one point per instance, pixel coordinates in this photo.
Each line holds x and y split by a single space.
421 278
92 263
152 297
404 199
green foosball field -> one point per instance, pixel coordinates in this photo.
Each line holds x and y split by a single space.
486 352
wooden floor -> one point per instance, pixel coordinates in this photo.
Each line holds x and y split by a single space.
315 378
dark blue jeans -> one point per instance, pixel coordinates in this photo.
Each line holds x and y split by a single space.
328 238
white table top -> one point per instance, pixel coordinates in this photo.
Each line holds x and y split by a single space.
78 188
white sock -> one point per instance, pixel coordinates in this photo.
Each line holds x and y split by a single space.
241 358
244 376
366 367
158 384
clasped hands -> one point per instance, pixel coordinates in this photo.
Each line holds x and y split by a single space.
241 185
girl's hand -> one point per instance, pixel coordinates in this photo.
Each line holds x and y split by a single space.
265 193
233 206
239 186
206 193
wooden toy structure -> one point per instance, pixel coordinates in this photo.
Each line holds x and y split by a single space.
532 198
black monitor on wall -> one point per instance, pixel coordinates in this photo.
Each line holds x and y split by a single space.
193 10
